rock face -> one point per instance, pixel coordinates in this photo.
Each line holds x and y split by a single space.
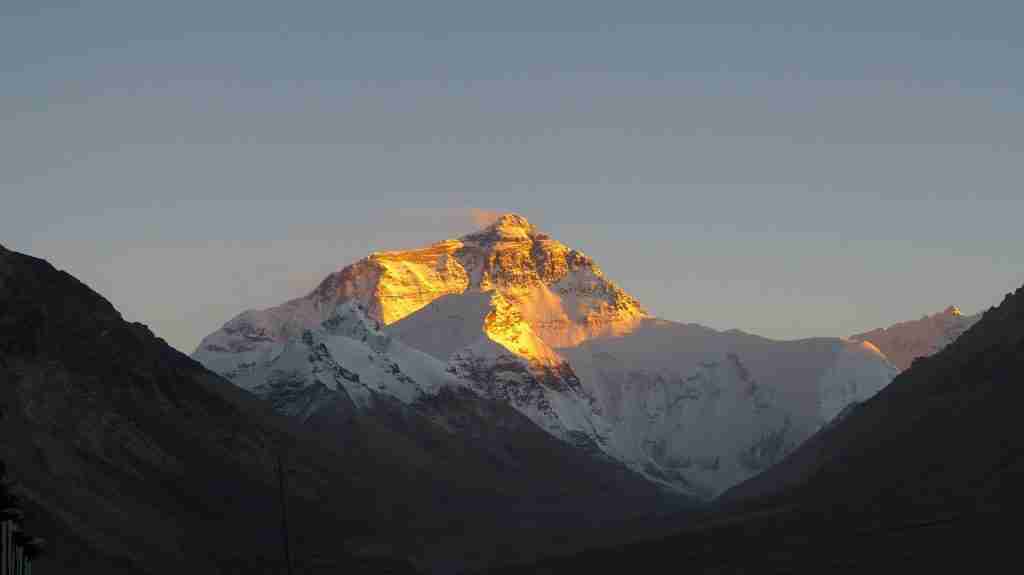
906 341
517 317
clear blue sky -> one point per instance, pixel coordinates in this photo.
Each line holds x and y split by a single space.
787 168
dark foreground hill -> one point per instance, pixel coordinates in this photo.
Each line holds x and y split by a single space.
131 457
925 475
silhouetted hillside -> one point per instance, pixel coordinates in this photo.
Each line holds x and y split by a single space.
129 456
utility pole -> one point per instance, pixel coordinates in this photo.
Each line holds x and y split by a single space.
284 515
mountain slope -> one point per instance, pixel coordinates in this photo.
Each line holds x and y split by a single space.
518 317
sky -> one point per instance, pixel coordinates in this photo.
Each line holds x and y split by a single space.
792 169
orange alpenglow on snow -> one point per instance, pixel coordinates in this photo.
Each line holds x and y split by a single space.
543 294
904 342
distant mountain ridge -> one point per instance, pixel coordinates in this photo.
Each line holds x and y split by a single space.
906 341
518 317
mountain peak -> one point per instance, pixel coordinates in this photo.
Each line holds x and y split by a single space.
511 220
903 342
507 227
559 293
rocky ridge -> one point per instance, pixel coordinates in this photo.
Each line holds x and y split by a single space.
904 342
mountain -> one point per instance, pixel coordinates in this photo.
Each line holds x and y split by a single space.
130 457
924 475
906 341
514 316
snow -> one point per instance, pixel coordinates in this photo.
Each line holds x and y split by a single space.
348 353
445 325
859 372
704 410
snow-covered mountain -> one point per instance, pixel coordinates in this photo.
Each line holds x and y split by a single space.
345 354
906 341
696 406
513 315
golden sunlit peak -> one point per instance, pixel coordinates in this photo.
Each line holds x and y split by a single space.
511 220
507 227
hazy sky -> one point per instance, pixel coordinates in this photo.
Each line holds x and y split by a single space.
788 168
